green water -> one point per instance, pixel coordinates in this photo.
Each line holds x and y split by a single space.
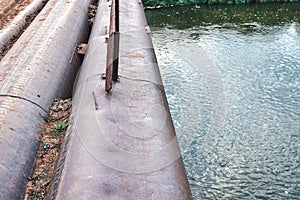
210 2
185 17
232 78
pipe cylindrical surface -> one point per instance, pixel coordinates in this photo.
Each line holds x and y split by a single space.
38 69
121 144
17 25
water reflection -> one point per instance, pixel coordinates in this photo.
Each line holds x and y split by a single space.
234 93
245 16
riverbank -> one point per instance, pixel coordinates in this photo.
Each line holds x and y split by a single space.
151 3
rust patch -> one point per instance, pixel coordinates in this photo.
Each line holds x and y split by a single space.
135 55
2 167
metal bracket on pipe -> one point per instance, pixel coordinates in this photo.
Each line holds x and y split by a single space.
112 59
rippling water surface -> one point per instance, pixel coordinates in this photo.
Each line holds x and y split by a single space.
233 86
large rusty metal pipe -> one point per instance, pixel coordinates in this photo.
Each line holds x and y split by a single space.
39 68
121 144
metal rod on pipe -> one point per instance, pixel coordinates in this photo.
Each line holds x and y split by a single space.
117 15
112 64
116 44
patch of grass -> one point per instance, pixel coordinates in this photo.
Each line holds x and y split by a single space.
60 127
42 175
46 145
36 195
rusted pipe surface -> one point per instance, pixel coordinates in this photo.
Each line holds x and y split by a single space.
32 74
122 144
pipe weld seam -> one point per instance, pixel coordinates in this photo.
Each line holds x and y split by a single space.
25 99
160 86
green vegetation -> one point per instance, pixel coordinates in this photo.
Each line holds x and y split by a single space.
46 145
50 140
186 2
60 127
42 175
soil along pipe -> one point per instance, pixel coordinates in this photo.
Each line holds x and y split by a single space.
39 68
19 23
121 144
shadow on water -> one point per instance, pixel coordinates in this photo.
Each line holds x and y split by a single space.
232 79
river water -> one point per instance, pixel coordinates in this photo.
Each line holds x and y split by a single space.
232 79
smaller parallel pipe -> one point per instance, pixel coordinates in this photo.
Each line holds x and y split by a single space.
19 23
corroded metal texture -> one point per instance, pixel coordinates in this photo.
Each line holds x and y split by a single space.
32 74
121 144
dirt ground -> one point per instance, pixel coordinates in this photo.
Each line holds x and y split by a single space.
9 9
50 141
